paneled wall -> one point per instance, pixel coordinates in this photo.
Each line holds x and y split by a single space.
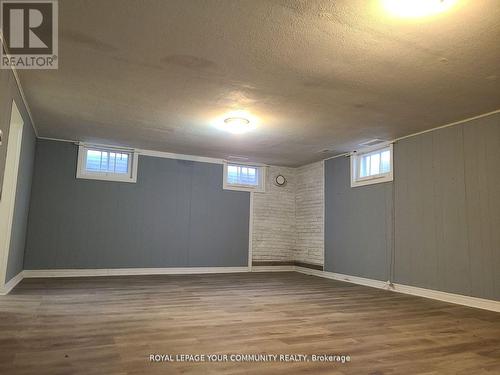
358 224
445 201
176 215
447 209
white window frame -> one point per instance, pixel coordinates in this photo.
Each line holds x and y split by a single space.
133 159
243 187
369 180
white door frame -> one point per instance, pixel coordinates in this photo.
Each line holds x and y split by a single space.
7 202
250 233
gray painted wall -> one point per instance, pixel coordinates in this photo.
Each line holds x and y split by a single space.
176 215
446 213
9 92
358 224
447 209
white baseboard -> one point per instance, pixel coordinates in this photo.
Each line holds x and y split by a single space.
480 303
11 284
338 276
273 268
131 271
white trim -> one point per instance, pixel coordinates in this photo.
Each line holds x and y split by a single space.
323 222
9 188
242 188
106 147
479 303
11 284
428 130
371 149
273 268
245 162
82 173
448 125
144 152
60 140
130 271
169 155
250 234
458 299
340 277
355 161
20 88
346 154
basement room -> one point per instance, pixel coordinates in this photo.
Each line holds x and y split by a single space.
250 187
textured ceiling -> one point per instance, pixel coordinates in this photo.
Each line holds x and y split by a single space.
320 75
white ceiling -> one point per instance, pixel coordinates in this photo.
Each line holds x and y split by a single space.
320 75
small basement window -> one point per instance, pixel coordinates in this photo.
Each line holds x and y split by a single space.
243 177
107 163
371 167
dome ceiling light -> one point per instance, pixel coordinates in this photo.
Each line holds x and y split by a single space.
417 8
238 122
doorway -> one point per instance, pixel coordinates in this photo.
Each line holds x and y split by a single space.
9 188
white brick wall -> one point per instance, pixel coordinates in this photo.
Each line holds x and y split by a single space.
273 236
309 210
288 221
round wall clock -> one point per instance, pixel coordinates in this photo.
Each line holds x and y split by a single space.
280 180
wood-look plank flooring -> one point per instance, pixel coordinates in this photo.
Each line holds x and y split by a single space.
110 325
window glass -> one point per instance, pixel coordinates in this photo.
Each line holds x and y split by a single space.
242 175
385 165
105 161
371 167
110 164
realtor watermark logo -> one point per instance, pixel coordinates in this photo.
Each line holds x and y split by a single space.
30 34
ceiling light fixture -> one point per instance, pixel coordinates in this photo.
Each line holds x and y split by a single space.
417 8
236 125
236 122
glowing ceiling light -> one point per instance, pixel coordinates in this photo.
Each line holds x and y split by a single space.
236 125
417 8
236 122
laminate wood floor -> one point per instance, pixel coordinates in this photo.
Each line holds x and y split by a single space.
111 325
